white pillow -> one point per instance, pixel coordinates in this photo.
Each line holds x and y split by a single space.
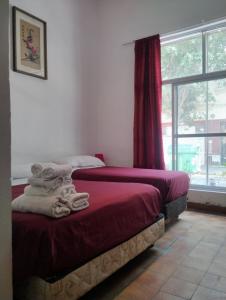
21 170
81 161
19 181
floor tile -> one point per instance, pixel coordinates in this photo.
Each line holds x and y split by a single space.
209 280
148 284
221 284
175 256
189 274
221 256
218 268
201 264
164 266
165 296
180 288
214 281
211 246
208 294
214 240
133 293
203 249
138 291
151 278
164 243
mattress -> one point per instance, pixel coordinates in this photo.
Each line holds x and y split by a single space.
171 184
46 247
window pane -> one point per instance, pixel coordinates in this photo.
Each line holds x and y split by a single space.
217 105
191 158
182 58
167 124
217 161
216 50
204 159
192 108
201 107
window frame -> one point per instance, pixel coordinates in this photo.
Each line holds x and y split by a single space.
204 76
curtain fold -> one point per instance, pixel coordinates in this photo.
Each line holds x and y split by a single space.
148 145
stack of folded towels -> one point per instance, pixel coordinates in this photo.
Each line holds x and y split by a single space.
50 192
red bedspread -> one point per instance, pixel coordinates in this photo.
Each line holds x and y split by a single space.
171 184
43 246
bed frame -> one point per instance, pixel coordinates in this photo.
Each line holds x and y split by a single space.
173 209
83 279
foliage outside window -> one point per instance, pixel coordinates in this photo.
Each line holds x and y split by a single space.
194 105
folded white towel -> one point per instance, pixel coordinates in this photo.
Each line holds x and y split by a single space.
36 169
49 184
77 201
50 206
42 191
73 200
50 170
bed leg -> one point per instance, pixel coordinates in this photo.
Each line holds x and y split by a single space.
170 221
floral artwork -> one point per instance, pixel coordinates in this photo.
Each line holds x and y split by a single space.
29 44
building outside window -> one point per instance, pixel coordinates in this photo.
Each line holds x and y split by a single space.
194 103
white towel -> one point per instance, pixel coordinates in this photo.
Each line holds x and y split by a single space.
49 185
73 200
77 201
42 191
50 206
36 169
50 170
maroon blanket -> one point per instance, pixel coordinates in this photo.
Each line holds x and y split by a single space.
43 246
171 184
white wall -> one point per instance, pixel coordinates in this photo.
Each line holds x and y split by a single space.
122 21
86 105
49 117
208 198
90 71
5 209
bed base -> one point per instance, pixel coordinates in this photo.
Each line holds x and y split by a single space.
83 279
175 208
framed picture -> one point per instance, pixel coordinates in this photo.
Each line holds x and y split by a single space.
29 44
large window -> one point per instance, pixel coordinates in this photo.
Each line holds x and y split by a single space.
194 104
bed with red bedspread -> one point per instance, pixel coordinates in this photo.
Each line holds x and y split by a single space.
46 247
173 185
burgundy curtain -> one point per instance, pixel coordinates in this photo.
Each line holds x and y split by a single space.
148 146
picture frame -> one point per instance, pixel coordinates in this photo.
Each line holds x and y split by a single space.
29 44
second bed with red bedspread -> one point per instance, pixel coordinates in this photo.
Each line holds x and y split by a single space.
171 184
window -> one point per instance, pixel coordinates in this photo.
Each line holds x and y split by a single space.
194 104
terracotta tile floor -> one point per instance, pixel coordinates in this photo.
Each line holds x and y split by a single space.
188 262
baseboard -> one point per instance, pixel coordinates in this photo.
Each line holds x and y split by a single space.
206 208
